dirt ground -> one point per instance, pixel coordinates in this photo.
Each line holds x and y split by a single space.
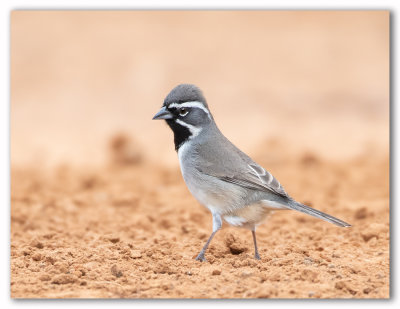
98 204
132 229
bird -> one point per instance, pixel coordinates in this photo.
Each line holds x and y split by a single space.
225 180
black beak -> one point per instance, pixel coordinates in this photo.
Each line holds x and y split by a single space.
163 113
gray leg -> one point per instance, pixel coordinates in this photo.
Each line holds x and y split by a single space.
217 223
256 255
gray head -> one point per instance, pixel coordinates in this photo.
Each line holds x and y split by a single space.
185 93
186 112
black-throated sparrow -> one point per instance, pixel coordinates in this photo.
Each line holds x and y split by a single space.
220 176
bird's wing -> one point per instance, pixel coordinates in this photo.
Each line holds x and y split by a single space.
259 178
237 168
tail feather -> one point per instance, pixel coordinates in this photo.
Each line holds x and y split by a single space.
316 213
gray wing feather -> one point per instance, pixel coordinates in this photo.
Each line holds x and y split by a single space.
237 168
254 179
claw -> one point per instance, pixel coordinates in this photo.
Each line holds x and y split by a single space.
201 258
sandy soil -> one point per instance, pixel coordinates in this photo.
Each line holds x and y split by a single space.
98 205
132 229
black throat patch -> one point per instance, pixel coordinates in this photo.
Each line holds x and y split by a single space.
181 133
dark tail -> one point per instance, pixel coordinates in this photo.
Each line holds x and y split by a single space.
316 213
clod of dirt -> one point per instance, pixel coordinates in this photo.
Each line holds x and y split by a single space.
44 277
113 238
64 279
309 159
308 260
235 245
37 244
216 272
116 271
135 254
37 256
50 259
361 213
123 150
367 290
308 275
246 274
373 231
343 285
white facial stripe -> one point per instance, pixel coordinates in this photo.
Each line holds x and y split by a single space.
194 130
191 104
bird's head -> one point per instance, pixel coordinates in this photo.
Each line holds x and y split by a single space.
186 112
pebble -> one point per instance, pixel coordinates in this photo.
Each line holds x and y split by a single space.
113 238
135 254
44 277
340 285
246 274
116 271
64 279
37 256
367 290
216 272
308 261
37 244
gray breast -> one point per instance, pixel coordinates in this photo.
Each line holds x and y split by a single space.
218 196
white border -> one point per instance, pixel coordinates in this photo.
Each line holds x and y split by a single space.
7 6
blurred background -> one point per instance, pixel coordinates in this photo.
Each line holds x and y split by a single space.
85 81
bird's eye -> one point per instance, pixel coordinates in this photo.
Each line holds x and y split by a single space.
183 112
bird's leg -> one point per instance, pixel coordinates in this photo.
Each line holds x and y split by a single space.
217 223
256 255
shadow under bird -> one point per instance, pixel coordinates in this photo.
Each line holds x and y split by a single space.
219 175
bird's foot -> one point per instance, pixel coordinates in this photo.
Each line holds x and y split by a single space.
257 256
201 257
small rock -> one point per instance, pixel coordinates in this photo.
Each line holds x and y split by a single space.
308 260
26 251
64 279
309 159
135 254
361 213
275 277
37 244
216 272
367 290
373 231
235 245
246 274
311 294
113 238
340 285
167 286
367 235
44 277
115 271
37 256
309 275
77 273
50 259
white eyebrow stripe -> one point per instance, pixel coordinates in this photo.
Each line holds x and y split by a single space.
191 104
194 130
